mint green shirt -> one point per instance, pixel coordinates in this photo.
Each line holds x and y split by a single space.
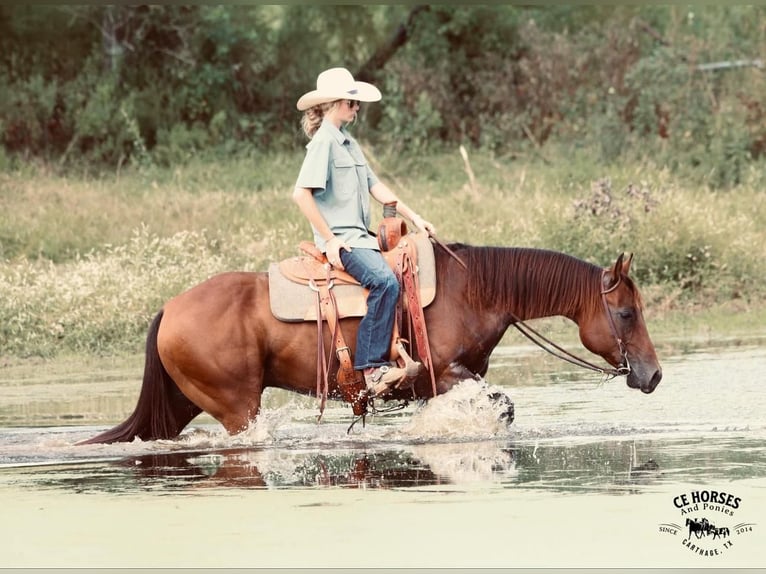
337 172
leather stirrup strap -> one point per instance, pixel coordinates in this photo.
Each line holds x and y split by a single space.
349 380
408 277
323 362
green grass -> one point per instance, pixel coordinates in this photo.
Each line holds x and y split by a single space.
85 261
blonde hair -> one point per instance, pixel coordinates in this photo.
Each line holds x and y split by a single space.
312 118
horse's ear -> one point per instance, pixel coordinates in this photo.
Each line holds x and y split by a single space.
626 265
612 277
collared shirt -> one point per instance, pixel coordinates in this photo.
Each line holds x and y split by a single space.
337 172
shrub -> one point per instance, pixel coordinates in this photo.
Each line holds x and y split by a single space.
682 239
99 302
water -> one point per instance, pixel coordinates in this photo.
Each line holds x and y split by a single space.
603 459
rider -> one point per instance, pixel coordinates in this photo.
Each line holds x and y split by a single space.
333 191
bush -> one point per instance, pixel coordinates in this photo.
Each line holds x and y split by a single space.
28 115
100 301
162 84
683 241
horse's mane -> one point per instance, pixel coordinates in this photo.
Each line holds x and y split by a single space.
527 280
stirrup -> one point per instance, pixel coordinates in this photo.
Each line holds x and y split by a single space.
383 378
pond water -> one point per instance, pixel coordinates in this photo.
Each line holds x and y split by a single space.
590 474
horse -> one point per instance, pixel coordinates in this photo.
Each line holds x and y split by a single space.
720 532
217 346
699 529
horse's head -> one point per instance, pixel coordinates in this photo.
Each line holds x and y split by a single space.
616 330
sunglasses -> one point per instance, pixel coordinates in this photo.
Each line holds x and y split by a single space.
353 103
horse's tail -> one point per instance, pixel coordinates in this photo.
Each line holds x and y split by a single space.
162 410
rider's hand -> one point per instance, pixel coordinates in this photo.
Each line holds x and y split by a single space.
423 225
332 249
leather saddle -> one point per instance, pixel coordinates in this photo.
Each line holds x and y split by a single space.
293 282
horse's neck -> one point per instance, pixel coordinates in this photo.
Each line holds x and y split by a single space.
560 286
531 283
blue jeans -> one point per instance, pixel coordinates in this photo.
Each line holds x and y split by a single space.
373 340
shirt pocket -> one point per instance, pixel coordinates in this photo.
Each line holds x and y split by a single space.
345 177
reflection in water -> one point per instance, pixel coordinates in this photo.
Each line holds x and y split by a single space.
604 466
247 468
250 468
621 465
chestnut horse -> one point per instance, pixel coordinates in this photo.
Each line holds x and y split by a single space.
217 346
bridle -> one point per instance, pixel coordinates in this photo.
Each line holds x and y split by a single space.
624 368
608 373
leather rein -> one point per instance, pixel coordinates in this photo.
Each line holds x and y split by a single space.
557 351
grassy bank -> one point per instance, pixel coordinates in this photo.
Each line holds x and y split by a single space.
87 260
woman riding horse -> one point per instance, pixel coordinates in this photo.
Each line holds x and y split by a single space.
217 346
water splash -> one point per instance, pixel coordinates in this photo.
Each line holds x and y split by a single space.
267 429
465 413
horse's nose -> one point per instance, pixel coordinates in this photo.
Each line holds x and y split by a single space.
653 382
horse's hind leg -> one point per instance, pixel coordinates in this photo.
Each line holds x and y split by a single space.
223 384
240 416
215 341
234 400
234 405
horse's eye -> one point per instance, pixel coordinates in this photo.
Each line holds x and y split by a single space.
625 314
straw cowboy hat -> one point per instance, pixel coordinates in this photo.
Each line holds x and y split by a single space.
338 84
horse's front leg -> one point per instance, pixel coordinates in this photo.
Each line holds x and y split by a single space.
452 375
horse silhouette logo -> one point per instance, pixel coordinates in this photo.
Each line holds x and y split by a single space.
704 527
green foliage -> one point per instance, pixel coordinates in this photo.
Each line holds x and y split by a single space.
686 241
98 301
704 126
408 128
164 83
30 103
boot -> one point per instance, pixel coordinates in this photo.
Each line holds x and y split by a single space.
380 379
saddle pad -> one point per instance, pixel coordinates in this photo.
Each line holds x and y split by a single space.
292 301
